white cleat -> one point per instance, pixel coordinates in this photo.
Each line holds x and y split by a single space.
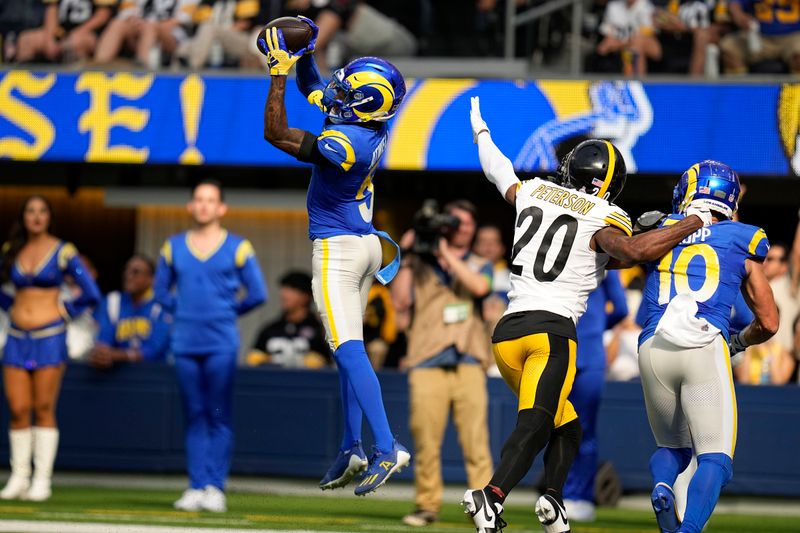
39 490
214 500
485 516
552 516
16 488
190 500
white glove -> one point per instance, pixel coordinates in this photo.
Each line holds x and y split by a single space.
478 124
701 210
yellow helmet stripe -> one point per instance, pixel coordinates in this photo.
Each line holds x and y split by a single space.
691 188
612 164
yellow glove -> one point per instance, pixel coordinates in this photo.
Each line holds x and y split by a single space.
316 98
279 58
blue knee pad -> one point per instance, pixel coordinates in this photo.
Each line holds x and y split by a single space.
720 459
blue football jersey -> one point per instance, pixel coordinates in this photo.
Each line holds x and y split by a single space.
340 197
710 265
774 17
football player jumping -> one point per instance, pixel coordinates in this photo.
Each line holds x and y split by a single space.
685 345
358 102
567 232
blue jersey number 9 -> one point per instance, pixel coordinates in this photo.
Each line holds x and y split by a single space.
677 274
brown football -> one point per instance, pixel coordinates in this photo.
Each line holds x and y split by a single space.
296 33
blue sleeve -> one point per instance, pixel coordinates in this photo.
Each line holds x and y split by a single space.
335 146
154 348
309 78
641 313
615 294
758 244
6 300
165 278
107 333
742 315
90 293
251 277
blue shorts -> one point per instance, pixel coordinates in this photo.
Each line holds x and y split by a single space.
32 349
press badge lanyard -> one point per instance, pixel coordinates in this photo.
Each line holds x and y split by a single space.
387 273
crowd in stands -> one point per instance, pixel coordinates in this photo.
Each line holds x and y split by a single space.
634 37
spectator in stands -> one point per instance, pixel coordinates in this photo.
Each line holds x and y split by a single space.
297 338
698 20
133 327
82 329
795 260
796 347
150 29
35 355
380 325
448 353
627 28
489 245
768 30
227 26
776 269
17 16
466 28
208 267
69 31
765 364
357 27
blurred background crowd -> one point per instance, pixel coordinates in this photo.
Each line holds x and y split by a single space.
634 37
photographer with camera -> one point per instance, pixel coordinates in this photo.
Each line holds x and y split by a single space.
440 285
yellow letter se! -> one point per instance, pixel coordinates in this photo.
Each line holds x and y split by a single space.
99 119
25 117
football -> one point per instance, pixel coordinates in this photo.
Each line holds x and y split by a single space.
296 33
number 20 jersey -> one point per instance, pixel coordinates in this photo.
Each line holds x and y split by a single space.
552 266
709 265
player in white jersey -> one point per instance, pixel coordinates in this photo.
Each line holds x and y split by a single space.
567 232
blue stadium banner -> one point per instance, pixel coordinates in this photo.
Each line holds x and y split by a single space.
126 117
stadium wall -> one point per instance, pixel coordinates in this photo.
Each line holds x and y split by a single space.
288 422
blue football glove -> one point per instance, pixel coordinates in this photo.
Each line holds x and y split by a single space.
309 49
279 58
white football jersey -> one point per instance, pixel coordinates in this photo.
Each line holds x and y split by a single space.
552 266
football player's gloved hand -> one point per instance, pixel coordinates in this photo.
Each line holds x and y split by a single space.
318 99
478 124
699 208
279 58
648 221
314 32
737 346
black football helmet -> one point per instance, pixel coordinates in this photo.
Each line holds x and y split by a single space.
594 167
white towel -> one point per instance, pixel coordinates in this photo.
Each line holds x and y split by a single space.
681 326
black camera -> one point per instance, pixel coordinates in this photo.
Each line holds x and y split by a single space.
430 225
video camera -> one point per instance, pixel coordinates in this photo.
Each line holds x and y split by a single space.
430 225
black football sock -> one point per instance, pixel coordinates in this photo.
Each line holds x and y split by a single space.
561 452
525 442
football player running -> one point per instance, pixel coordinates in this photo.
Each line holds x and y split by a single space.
358 102
567 232
685 345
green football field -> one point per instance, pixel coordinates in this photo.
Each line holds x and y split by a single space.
72 509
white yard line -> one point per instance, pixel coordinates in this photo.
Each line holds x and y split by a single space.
35 526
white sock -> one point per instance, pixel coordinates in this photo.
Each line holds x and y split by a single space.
45 446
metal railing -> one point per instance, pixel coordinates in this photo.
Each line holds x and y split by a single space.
515 20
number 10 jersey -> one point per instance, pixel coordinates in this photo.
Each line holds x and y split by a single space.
553 267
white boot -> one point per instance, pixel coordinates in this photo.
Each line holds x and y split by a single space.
21 446
45 446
